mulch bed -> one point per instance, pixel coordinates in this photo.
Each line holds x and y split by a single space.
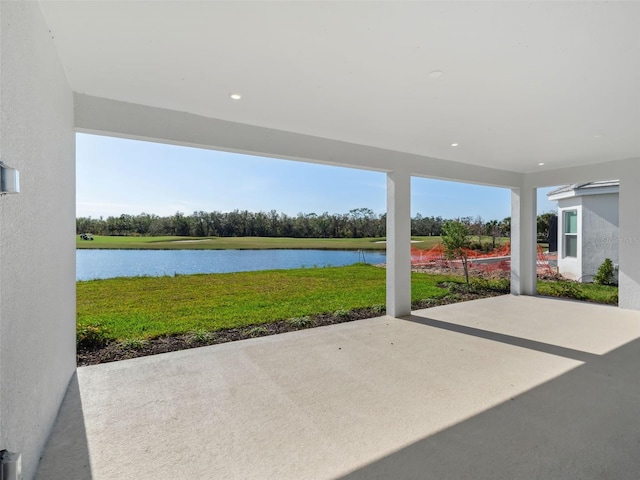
116 351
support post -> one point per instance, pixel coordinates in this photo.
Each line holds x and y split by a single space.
629 239
523 241
398 244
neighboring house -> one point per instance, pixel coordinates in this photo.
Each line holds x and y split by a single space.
587 227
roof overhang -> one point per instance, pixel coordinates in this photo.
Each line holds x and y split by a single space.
583 192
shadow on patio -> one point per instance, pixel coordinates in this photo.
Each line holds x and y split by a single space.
507 387
584 424
68 456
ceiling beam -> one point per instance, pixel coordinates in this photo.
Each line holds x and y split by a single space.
127 120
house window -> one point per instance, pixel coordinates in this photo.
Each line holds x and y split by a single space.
570 234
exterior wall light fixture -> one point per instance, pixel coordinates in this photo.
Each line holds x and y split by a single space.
9 179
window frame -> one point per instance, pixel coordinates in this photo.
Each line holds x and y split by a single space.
567 234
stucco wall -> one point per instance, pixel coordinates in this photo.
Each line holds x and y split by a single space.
599 232
37 246
597 235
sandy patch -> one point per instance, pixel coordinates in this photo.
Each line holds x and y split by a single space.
412 241
194 241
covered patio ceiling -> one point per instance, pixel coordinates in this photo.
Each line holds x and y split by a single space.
513 84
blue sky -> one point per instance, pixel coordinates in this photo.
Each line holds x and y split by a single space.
116 176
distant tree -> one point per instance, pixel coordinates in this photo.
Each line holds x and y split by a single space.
465 221
180 225
543 225
360 221
455 238
493 229
261 224
85 225
357 223
505 227
436 225
198 224
476 227
141 224
125 224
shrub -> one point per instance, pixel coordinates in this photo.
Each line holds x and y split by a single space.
479 286
91 335
606 273
481 247
199 336
133 344
378 308
341 313
567 290
425 303
500 285
301 322
257 331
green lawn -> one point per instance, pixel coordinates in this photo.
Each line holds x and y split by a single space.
147 307
136 308
222 243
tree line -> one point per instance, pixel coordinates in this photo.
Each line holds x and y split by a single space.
357 223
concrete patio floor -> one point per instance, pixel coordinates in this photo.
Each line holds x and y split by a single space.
500 388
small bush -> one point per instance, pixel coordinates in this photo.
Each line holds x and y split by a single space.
133 344
566 290
301 322
341 313
199 336
424 303
379 308
91 336
478 286
257 331
502 285
448 285
468 288
481 247
606 273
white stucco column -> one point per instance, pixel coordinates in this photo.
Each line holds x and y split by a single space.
629 240
523 241
398 244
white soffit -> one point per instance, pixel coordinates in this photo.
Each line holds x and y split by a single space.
521 83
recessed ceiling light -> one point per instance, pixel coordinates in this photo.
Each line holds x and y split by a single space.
599 135
235 96
435 74
454 144
541 163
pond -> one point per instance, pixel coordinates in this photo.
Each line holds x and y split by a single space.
93 264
